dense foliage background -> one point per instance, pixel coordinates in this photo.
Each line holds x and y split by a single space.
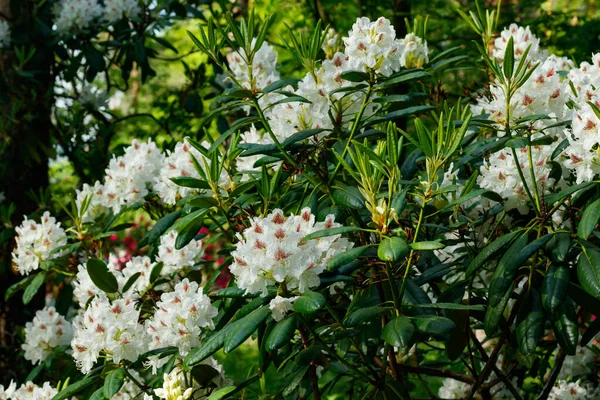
69 102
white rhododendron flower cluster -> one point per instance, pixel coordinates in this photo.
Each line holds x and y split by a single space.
273 250
37 242
47 331
369 46
564 390
111 328
180 318
175 260
75 15
28 391
114 10
4 33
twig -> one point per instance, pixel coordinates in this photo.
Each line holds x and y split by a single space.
560 358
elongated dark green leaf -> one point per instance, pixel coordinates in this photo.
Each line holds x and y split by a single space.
392 249
406 77
559 246
438 327
209 346
589 220
159 228
363 315
509 58
101 276
355 76
569 190
295 380
564 322
331 231
132 279
113 382
588 271
241 329
349 196
229 292
221 393
346 257
301 135
407 111
554 287
279 84
398 332
75 388
282 333
489 251
98 394
33 287
449 306
530 323
189 182
493 315
309 303
18 286
188 231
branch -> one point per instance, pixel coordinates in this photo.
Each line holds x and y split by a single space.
560 358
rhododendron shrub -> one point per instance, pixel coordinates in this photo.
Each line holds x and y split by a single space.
358 258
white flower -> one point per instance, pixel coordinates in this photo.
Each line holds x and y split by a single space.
331 43
114 10
180 317
273 250
28 391
414 52
453 389
580 365
569 391
128 175
37 242
175 260
4 34
368 43
108 327
280 306
47 331
75 15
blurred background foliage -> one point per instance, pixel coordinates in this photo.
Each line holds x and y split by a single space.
151 82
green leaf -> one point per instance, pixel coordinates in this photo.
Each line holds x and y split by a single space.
279 84
589 220
113 382
559 246
346 257
159 228
398 332
530 323
554 287
392 249
590 332
349 196
439 327
281 333
355 76
449 306
221 393
101 276
363 315
428 245
209 347
588 271
187 231
76 387
98 394
331 232
564 322
509 58
301 135
189 182
489 251
405 77
309 303
241 329
156 270
495 314
407 111
131 281
33 287
18 286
